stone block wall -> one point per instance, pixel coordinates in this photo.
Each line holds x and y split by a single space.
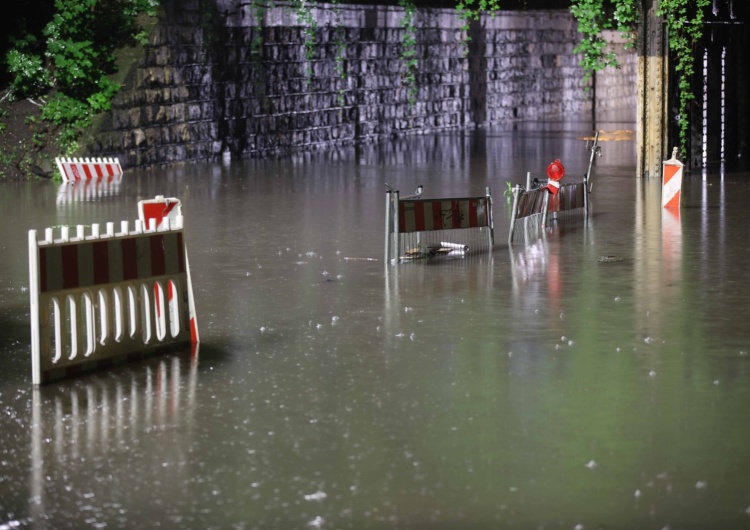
224 78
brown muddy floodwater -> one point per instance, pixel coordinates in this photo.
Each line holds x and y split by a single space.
596 378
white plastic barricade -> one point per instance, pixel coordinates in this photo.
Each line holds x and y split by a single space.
156 214
73 169
420 228
672 182
92 297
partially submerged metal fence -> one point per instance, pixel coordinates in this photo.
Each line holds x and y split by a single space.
417 228
533 210
528 214
102 299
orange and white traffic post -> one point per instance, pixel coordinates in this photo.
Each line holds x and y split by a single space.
672 182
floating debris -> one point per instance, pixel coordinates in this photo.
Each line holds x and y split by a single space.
619 135
610 259
444 248
317 522
317 496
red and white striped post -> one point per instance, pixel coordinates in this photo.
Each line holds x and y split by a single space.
672 182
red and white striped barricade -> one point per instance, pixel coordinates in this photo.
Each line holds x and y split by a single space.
74 169
420 228
672 182
156 214
92 297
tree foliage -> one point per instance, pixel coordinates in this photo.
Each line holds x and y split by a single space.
685 20
68 64
684 23
595 16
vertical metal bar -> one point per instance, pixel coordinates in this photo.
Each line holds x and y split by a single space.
490 221
591 159
36 374
585 199
388 226
396 228
387 238
513 213
545 205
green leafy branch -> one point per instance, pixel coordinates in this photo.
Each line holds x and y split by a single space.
469 10
72 59
304 12
409 49
593 19
259 11
339 48
684 23
684 32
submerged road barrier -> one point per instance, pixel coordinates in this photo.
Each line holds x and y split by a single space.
97 299
418 228
534 209
528 214
672 182
73 169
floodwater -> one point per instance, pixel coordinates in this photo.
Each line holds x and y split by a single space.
598 377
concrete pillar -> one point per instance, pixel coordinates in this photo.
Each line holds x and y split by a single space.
653 90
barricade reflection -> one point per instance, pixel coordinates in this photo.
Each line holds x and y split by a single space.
88 419
657 260
89 190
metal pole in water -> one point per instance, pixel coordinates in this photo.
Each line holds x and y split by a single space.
595 150
387 227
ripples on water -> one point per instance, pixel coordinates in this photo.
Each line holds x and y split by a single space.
538 386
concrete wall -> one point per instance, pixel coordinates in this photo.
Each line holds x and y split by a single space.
225 77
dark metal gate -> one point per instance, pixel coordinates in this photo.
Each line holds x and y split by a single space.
719 114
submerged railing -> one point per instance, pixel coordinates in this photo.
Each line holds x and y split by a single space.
534 210
417 228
